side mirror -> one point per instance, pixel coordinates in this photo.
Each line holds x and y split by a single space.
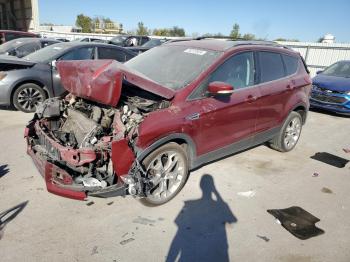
319 72
220 88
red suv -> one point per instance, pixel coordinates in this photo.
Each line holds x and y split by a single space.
138 128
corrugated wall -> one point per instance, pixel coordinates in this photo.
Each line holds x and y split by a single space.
318 55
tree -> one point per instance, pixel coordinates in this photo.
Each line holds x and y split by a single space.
235 32
161 32
248 37
177 31
85 22
141 29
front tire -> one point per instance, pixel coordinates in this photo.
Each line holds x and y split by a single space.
167 168
289 134
27 97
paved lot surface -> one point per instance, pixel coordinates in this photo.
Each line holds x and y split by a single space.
212 218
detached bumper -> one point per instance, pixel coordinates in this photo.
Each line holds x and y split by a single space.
56 179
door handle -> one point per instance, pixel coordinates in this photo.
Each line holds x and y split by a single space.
193 116
251 99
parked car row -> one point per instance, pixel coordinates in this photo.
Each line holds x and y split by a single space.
26 82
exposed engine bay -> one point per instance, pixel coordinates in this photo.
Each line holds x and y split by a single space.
77 135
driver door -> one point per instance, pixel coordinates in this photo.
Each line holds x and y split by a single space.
228 121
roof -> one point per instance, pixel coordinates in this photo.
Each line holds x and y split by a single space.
222 44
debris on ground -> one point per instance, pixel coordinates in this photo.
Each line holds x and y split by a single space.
248 194
315 174
126 241
263 238
94 250
125 235
297 221
326 190
143 221
90 203
346 150
330 159
110 203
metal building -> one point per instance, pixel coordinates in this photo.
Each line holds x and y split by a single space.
20 15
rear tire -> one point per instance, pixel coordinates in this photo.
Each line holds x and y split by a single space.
289 134
27 97
167 166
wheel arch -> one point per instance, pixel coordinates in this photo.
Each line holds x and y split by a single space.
302 110
179 138
29 81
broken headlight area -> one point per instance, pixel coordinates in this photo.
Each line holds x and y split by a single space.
92 145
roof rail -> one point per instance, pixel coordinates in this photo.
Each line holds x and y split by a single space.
237 41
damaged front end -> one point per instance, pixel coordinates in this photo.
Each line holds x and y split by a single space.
84 147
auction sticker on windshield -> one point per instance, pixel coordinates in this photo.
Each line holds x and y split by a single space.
195 51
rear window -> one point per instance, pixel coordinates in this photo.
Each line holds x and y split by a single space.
291 64
111 53
271 66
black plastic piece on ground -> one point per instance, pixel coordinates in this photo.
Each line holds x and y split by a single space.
330 159
297 221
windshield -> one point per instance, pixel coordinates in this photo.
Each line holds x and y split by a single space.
154 42
118 39
341 69
48 53
173 66
10 45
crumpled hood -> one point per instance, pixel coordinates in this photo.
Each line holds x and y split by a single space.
101 80
334 83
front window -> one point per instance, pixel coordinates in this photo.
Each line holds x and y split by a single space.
154 42
119 39
48 53
173 66
341 69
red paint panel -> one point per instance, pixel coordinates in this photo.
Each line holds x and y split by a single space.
95 80
101 80
122 157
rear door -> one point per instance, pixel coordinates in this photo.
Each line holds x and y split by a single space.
226 120
274 88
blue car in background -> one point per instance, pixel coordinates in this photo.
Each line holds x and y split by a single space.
331 88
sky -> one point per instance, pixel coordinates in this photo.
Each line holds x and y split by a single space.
306 20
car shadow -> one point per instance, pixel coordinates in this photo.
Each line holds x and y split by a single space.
4 170
8 108
201 234
9 214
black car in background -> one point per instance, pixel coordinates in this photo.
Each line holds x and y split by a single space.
21 47
129 40
27 81
148 45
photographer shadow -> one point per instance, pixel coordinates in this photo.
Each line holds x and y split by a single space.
201 234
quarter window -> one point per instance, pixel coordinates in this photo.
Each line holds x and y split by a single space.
271 66
291 64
